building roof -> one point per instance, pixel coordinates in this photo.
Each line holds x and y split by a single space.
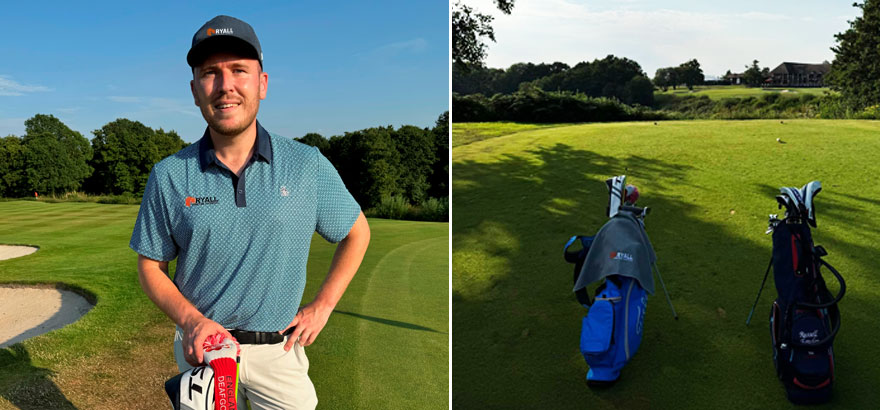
802 68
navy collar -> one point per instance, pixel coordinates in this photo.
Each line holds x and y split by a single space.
207 155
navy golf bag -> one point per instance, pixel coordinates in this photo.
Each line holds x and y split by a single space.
620 256
804 318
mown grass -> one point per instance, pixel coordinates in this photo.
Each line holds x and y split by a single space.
482 130
385 347
717 92
517 199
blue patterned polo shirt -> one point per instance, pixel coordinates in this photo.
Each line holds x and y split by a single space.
242 243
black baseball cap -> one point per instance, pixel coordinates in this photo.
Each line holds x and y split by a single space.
227 34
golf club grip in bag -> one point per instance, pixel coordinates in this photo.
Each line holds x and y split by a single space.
611 332
804 318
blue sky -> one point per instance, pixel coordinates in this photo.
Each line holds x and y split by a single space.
333 66
662 33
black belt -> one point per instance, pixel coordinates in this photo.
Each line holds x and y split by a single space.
245 337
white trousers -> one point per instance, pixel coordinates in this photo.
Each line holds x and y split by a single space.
268 377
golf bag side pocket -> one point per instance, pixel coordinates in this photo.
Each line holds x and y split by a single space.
612 330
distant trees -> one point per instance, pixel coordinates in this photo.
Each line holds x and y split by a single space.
408 164
612 77
754 76
124 153
688 73
11 166
381 162
856 65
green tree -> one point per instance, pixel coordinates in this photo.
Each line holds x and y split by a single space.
754 76
11 167
468 30
316 140
369 164
417 154
607 77
856 65
125 152
439 180
663 78
56 157
690 74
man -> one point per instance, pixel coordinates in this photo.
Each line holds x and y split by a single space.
238 210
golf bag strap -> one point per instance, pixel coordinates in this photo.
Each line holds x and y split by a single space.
839 293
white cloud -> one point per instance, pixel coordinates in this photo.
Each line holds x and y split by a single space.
416 45
9 87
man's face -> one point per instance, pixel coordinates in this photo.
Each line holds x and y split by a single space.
228 88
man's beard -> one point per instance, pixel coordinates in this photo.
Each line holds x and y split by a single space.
229 130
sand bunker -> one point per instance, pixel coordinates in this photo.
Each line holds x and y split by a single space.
28 312
15 251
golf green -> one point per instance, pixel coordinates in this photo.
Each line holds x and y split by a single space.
386 346
518 197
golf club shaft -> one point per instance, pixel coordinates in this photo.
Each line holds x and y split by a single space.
668 300
759 292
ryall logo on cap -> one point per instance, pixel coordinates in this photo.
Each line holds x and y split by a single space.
224 31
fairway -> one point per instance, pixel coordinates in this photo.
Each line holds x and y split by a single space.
711 185
385 346
717 92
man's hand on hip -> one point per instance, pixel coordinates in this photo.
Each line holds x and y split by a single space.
195 332
307 323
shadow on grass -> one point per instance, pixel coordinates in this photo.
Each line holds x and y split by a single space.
517 325
34 391
388 322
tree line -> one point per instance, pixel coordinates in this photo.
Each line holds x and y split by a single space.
51 158
611 77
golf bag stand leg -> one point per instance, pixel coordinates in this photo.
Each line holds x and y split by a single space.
668 300
751 312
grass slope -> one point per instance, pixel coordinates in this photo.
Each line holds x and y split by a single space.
711 184
717 92
385 347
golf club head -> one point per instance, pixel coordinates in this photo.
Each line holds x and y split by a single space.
616 190
792 199
192 389
808 192
632 195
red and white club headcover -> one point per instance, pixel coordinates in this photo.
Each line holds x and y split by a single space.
221 353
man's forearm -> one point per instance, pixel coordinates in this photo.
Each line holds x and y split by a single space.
346 261
160 289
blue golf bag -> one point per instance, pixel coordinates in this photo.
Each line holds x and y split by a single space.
804 318
620 256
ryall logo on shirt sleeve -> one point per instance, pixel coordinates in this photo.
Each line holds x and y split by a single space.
205 200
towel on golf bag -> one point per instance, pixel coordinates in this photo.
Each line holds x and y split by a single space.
804 318
621 247
611 332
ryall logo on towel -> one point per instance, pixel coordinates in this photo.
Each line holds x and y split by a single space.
622 256
205 200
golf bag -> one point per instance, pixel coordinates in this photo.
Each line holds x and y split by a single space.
621 256
804 318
